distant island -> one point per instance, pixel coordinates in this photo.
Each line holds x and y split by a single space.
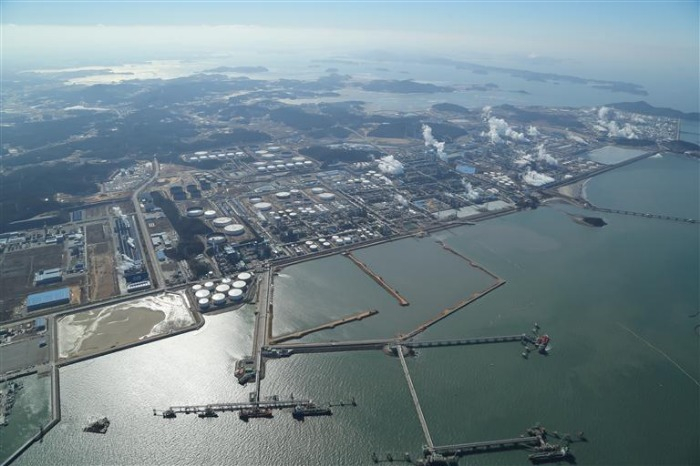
648 109
238 69
406 86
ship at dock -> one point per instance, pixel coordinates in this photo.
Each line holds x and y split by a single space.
246 414
301 411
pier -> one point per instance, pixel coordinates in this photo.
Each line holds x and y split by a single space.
640 214
471 262
416 403
380 281
230 407
329 325
489 445
468 341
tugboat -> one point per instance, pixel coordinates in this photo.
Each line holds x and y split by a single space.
98 427
246 414
549 456
301 411
208 412
169 414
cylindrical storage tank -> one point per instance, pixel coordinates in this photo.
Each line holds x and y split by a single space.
245 277
317 190
263 206
283 195
313 247
234 230
218 299
326 244
293 215
235 294
270 168
196 287
239 284
226 281
309 243
202 294
222 221
222 288
255 199
279 166
209 213
298 164
262 169
298 158
209 285
195 212
347 240
339 241
289 165
308 163
294 192
203 303
216 239
326 196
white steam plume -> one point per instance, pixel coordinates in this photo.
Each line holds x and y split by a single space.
390 166
499 129
533 132
534 178
431 142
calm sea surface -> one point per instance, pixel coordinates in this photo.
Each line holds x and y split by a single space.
620 303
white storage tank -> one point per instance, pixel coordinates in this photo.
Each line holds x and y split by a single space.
235 294
283 195
234 230
216 239
226 281
218 299
263 206
195 212
222 222
196 287
223 288
209 214
239 284
326 196
203 303
245 277
202 294
317 190
209 285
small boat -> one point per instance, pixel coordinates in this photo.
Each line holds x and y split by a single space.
169 414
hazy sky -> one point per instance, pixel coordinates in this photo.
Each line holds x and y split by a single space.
617 39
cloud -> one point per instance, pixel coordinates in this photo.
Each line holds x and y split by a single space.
534 178
390 166
431 142
499 129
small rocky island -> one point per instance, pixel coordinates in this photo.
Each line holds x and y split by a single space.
589 221
98 427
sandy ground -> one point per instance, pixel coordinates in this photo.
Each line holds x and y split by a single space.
98 330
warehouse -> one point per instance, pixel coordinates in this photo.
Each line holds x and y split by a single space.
46 299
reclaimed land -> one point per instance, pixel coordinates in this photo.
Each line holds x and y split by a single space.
380 281
329 325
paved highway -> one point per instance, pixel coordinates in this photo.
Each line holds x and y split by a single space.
157 276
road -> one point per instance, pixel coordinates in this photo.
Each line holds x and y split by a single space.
260 330
146 238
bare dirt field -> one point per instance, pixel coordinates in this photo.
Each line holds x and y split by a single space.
17 270
100 251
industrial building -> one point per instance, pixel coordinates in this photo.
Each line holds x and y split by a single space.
46 299
44 277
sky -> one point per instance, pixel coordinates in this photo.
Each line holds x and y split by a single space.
601 39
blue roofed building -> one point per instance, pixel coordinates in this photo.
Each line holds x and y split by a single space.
46 299
466 169
40 324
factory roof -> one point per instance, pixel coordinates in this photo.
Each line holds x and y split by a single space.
47 298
